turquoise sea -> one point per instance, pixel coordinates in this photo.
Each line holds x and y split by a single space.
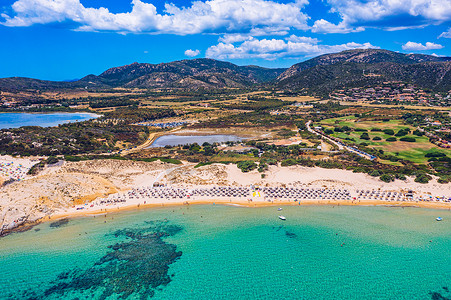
221 252
16 120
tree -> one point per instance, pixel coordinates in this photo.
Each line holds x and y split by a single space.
408 139
389 131
365 136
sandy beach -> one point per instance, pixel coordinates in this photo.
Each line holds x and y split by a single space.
78 189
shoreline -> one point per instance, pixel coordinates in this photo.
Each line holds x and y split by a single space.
119 208
79 189
439 206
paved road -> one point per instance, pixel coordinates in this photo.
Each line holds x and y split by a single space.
340 146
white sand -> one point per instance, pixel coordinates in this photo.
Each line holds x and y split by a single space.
58 190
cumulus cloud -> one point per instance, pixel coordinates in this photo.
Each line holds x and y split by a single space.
192 53
271 49
302 39
388 14
418 46
323 26
223 16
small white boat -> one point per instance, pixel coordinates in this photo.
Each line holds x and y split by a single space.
438 219
282 218
279 209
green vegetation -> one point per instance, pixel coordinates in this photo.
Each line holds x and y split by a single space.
93 136
423 178
387 178
408 139
389 131
246 165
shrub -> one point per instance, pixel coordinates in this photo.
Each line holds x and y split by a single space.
36 168
288 162
389 131
170 160
400 176
377 138
418 133
269 161
74 158
444 179
328 131
376 129
375 173
52 160
365 136
386 178
408 139
435 154
246 165
391 139
402 132
423 178
346 128
262 167
361 129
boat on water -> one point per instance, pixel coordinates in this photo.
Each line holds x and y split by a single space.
282 218
438 219
279 209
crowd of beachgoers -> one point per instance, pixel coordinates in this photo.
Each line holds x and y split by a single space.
11 169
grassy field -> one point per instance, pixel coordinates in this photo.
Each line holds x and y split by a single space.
412 151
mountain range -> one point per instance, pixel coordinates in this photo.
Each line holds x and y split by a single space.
363 67
320 74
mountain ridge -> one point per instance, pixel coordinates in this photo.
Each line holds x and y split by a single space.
347 68
322 73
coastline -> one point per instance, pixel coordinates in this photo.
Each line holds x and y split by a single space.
106 209
106 186
72 213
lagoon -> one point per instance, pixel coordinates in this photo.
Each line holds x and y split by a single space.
221 252
16 120
175 140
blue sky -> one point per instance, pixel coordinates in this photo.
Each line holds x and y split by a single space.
68 39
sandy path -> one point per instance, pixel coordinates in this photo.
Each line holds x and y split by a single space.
150 139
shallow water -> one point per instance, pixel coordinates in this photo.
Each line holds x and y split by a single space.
217 252
175 140
16 120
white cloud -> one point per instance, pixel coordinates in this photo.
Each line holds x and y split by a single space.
446 34
192 53
383 13
271 49
235 37
418 46
302 39
323 26
223 16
